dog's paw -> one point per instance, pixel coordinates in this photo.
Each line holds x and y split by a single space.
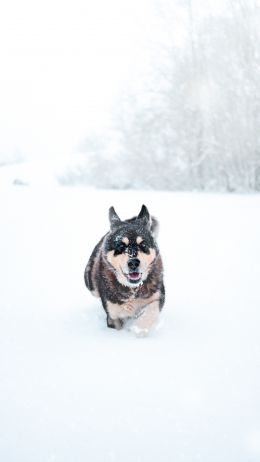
139 332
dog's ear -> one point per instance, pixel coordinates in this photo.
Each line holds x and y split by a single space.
113 218
154 227
144 214
150 222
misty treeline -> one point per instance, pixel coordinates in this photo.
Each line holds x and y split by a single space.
194 123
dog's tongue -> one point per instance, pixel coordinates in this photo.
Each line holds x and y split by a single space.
134 276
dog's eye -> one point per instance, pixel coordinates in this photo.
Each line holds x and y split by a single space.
144 247
120 248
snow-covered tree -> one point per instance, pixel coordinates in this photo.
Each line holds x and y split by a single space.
196 126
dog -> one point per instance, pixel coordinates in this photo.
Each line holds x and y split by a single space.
125 270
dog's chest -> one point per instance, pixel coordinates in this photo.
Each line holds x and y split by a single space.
130 308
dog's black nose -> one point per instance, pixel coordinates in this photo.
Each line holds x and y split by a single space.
133 264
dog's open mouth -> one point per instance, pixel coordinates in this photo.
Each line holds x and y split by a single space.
134 277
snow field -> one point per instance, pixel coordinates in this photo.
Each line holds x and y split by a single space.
71 389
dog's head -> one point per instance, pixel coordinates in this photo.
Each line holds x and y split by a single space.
130 247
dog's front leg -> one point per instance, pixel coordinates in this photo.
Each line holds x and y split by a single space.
116 315
147 319
114 323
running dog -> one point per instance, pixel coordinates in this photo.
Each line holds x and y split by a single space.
125 270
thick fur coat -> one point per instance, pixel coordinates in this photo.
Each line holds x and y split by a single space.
125 270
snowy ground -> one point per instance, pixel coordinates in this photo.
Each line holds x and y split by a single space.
73 390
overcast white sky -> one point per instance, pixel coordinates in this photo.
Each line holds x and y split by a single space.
62 65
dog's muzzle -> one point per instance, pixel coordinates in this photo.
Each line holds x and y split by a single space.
133 264
134 276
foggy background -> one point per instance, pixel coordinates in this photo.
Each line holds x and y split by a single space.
136 94
124 102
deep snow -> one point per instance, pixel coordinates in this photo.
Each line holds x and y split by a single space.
73 390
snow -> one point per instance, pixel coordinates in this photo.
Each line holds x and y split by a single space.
72 389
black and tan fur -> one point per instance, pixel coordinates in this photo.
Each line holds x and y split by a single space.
125 270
